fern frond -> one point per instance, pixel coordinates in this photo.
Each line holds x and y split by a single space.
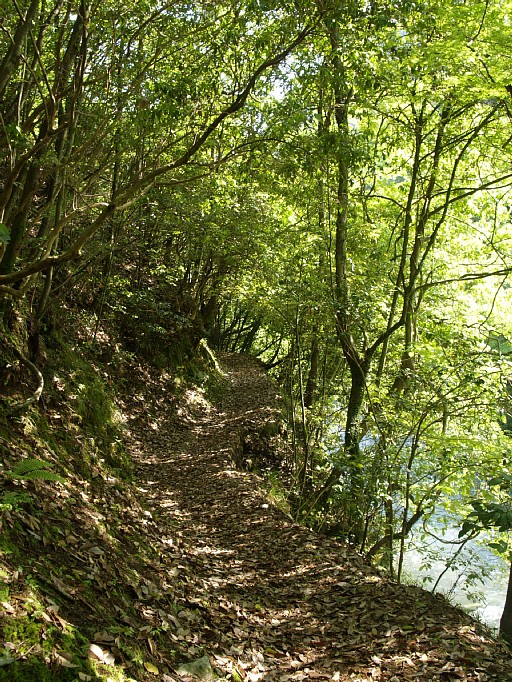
14 498
31 469
41 475
26 466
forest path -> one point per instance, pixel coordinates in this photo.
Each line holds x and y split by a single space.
270 600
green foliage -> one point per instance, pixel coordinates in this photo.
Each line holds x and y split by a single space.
29 469
154 324
500 344
34 470
88 408
488 515
4 234
342 223
13 499
29 633
492 514
277 494
35 670
94 406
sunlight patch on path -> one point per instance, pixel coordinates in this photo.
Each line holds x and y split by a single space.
271 599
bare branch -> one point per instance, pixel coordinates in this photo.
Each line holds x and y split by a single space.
34 398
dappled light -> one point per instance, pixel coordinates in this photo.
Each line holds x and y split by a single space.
255 340
193 563
282 602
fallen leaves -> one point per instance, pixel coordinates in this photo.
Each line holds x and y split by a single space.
151 668
65 659
216 576
97 653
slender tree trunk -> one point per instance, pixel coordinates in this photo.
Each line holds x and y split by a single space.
506 618
358 366
12 56
312 382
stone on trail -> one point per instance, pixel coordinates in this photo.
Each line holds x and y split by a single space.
201 668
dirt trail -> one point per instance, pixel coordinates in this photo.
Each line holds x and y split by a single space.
270 600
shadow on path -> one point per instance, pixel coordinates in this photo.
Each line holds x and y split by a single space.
275 600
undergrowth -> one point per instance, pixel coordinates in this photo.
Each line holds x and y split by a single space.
57 460
79 555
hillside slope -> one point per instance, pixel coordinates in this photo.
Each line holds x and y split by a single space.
191 568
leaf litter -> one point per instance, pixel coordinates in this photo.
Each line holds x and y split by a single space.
271 600
194 571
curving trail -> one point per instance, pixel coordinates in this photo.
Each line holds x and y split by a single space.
266 598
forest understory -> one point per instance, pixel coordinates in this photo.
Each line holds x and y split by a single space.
325 186
191 571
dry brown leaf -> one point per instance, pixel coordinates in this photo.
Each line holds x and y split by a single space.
104 637
64 660
152 646
94 651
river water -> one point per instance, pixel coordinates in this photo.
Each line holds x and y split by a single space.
426 559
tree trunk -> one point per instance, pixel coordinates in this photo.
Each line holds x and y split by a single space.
12 56
312 382
506 618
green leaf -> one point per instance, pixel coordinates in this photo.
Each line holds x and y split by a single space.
41 475
6 660
33 470
499 546
28 465
500 343
500 480
467 527
151 668
503 481
4 234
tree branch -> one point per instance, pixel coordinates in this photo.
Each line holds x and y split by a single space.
21 407
133 191
395 536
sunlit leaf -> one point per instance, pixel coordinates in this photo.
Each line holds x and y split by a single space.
151 668
4 234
